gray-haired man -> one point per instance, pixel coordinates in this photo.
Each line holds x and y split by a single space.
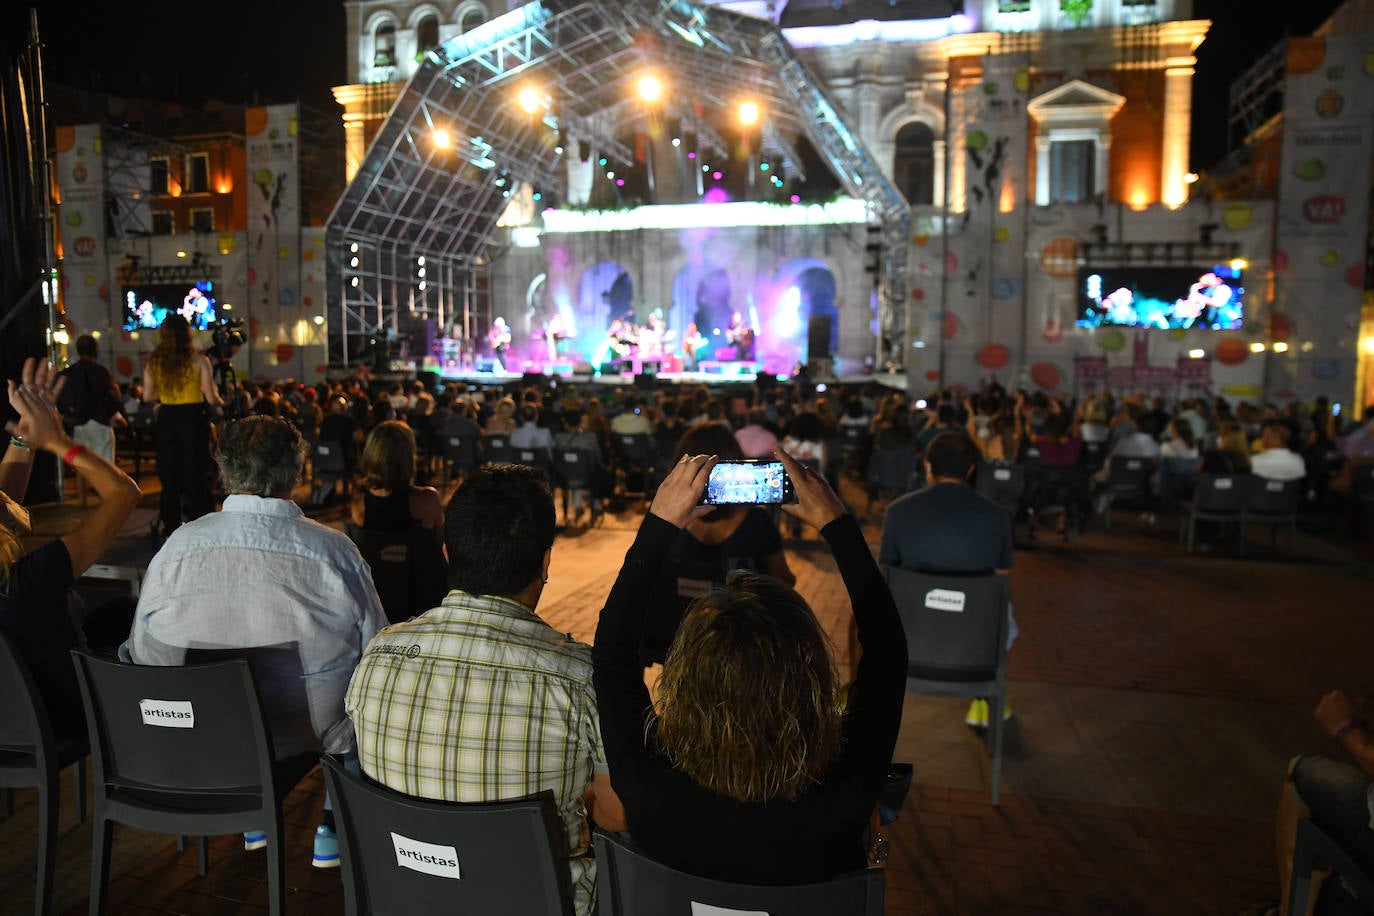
260 574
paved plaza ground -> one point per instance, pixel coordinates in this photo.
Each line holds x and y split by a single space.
1158 697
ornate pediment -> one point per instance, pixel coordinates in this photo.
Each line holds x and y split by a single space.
1075 99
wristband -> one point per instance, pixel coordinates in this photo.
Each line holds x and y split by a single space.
18 442
72 453
1349 726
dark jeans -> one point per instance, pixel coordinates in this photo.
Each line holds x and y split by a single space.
1337 795
182 435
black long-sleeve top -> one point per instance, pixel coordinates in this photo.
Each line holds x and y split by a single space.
811 838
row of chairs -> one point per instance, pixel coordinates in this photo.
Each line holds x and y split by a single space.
1239 500
199 761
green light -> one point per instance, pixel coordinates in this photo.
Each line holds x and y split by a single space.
763 166
601 161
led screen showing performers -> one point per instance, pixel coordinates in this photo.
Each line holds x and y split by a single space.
1161 297
146 307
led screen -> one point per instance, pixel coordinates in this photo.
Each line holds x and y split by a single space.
1160 297
147 306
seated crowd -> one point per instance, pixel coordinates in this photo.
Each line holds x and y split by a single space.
747 766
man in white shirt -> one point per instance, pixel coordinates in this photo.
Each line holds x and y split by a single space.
1276 461
631 421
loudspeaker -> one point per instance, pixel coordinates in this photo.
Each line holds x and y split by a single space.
818 337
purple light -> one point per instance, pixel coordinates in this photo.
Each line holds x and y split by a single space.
620 182
715 196
717 176
796 198
691 155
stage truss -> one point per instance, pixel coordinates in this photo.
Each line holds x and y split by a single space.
414 198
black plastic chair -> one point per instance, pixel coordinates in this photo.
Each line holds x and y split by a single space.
634 459
182 750
1093 457
32 755
460 455
629 883
956 636
328 466
1273 503
678 583
889 473
1004 484
1216 498
403 855
1313 845
574 469
497 450
408 568
1127 479
540 458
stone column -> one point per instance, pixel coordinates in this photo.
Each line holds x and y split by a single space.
1104 149
938 195
1042 170
1178 112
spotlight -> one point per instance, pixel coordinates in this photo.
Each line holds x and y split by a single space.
529 99
602 162
354 282
610 174
677 141
1280 347
763 166
441 138
649 88
558 150
353 248
353 262
1196 354
1257 347
1239 264
717 176
318 319
749 113
420 272
420 261
422 286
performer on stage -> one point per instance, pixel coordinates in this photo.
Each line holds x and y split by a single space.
554 335
741 337
692 345
499 337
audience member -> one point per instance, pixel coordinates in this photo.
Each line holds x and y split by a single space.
341 427
948 528
754 439
529 434
259 574
631 420
744 770
90 405
479 699
502 421
1274 460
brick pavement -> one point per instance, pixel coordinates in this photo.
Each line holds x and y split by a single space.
1157 698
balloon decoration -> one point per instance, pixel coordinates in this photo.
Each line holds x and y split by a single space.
1059 258
994 356
1279 327
124 366
1232 352
284 351
951 326
932 375
1046 375
1113 341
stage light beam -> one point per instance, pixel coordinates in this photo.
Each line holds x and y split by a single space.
749 113
649 88
529 99
441 138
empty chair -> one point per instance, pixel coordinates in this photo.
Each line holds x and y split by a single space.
1216 498
404 855
408 568
1127 479
628 883
181 750
1093 457
328 466
460 455
540 458
634 460
497 449
573 471
1311 846
1273 503
1004 484
956 636
32 755
890 472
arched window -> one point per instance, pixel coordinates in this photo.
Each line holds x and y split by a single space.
471 20
384 45
913 163
427 34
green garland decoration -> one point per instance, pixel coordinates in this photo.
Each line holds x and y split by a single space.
1078 11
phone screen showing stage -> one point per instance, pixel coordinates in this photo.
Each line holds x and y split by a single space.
748 483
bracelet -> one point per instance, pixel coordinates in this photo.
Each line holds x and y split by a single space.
1347 727
18 442
73 453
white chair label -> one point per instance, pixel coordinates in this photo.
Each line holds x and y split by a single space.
323 449
570 456
944 599
168 713
1222 484
706 909
694 588
1274 486
1001 474
440 861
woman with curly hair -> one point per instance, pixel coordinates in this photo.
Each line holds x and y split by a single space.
745 770
180 378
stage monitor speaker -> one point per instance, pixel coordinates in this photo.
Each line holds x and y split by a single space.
537 379
485 364
818 337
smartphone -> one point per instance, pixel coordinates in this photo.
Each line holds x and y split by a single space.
748 482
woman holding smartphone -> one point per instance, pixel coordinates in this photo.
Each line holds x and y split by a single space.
745 770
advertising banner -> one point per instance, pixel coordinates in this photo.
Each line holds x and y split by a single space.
274 255
81 218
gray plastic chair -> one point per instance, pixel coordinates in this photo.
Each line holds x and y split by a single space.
1273 503
460 455
180 750
1127 479
629 883
32 755
956 637
497 857
573 470
497 450
1216 498
1312 846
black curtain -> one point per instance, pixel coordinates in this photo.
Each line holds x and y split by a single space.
22 255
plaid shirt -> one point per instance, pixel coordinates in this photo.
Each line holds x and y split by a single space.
481 700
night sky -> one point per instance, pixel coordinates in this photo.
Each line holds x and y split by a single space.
283 50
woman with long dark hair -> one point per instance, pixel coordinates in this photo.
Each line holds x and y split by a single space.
181 379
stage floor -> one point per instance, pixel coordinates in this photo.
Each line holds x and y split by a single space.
741 376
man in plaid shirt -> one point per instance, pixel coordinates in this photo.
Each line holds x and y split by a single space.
479 699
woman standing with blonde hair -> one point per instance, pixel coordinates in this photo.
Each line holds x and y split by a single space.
181 379
745 770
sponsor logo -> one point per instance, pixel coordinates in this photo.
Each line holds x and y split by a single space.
84 246
167 713
1324 209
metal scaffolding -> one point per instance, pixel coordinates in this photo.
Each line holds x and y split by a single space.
456 146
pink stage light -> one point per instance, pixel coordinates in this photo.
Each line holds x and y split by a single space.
691 154
717 176
796 198
715 196
620 182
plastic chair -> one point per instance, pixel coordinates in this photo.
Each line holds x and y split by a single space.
1127 478
634 454
327 466
889 473
32 755
629 883
403 855
956 636
1093 457
181 750
408 568
573 470
1216 498
1004 484
540 458
497 450
460 455
1313 845
1273 503
678 583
